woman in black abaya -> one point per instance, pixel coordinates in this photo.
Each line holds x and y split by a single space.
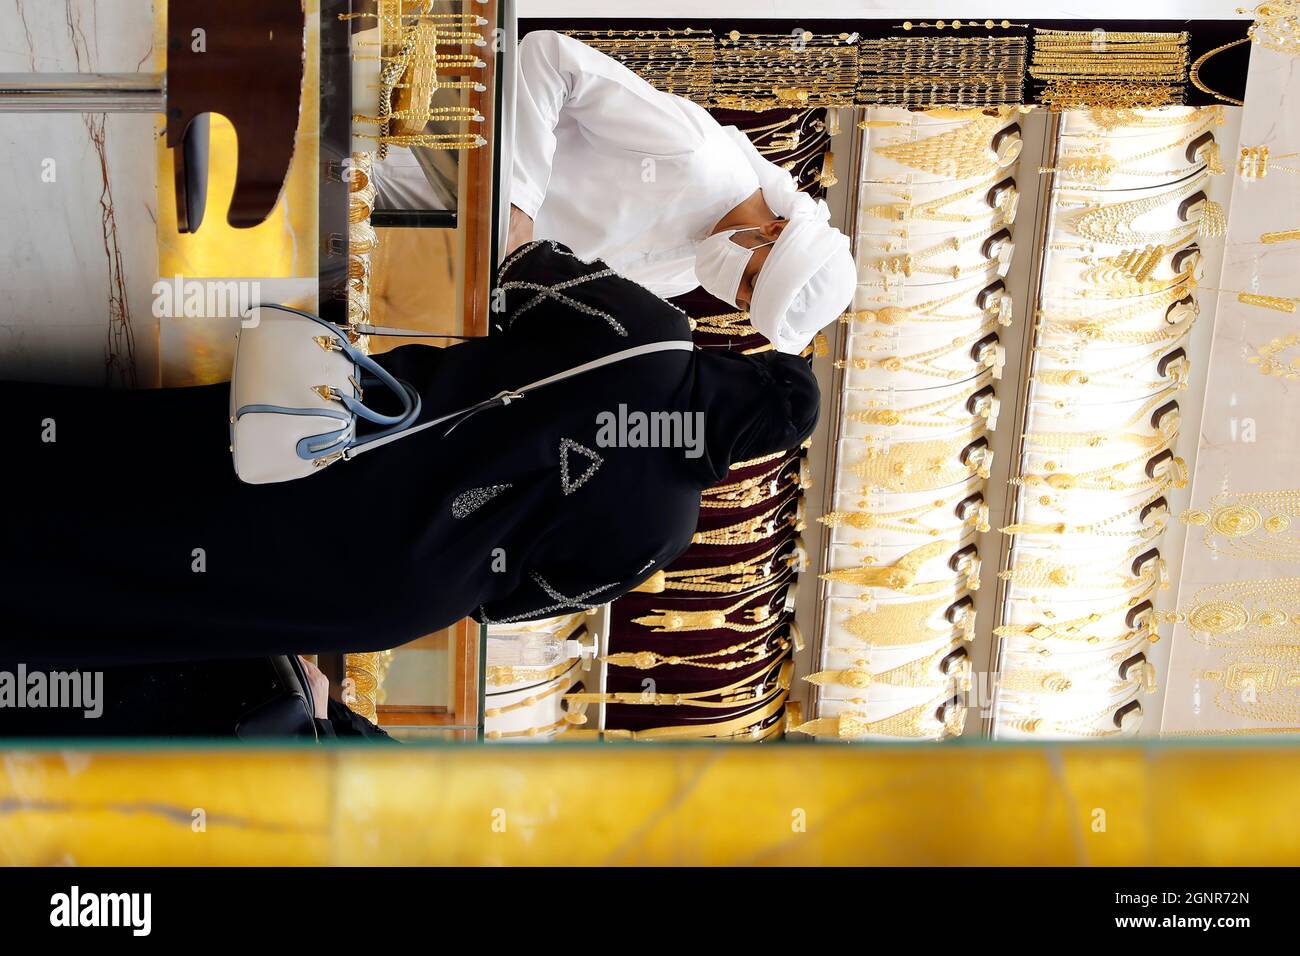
128 537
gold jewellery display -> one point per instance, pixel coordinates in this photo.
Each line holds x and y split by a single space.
959 153
1112 70
1100 162
1116 223
922 465
756 649
928 71
1264 525
676 620
1263 612
901 575
415 64
899 623
937 718
940 667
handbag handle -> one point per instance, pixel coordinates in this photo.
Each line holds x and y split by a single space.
404 392
511 395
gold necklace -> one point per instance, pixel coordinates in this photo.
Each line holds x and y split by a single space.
1089 324
501 675
670 620
922 672
531 699
955 154
1195 74
949 412
755 529
1095 528
1002 212
1117 434
909 264
918 72
1127 273
941 717
1253 687
746 725
758 488
921 465
1120 374
922 363
568 720
1234 520
722 578
749 689
996 303
898 576
649 660
1079 726
1243 613
1114 222
1095 166
1044 573
909 622
912 520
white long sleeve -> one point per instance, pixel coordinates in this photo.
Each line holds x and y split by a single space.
568 87
780 191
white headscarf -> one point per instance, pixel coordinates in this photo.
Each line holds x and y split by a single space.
808 279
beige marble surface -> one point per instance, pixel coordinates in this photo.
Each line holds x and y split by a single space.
78 254
1249 426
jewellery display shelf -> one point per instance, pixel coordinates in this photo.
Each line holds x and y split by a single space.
1066 687
432 688
761 64
706 650
1043 309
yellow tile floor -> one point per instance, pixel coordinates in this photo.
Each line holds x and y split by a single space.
1103 805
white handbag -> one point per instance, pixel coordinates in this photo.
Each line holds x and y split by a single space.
296 396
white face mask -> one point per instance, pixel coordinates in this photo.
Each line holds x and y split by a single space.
720 263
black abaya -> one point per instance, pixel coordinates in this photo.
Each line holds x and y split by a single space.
129 536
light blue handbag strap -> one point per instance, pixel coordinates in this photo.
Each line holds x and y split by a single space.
511 395
367 329
407 395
